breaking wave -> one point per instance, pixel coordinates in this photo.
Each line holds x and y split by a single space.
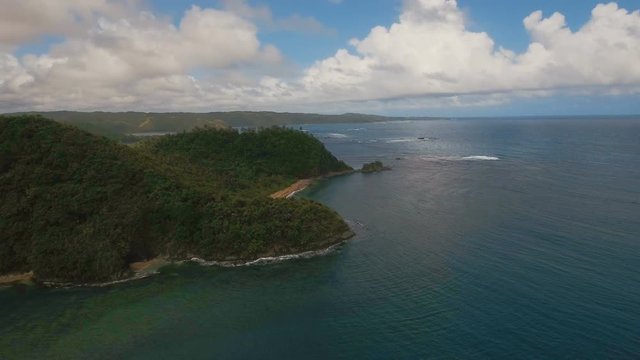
333 136
481 157
460 158
391 141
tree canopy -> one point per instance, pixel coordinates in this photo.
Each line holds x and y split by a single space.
79 207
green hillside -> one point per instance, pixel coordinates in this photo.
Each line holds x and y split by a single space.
79 207
119 125
258 161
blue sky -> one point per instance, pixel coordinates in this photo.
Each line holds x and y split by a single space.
502 19
287 56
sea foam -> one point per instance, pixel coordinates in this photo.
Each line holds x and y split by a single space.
480 157
336 135
399 141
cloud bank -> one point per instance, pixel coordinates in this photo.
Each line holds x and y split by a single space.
430 52
115 55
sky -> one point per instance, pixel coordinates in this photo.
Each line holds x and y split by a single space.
390 57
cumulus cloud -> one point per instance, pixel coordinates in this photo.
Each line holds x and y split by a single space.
213 59
430 52
127 60
27 20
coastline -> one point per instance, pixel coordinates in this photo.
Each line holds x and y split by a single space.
266 260
292 189
145 269
11 279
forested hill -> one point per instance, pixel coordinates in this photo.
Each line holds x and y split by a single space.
270 151
79 207
118 125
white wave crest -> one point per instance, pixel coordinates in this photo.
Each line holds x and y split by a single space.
459 158
399 141
481 157
269 259
336 135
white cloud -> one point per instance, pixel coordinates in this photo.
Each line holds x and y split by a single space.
430 52
213 59
131 60
27 20
602 52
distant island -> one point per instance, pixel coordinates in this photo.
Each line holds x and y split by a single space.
80 208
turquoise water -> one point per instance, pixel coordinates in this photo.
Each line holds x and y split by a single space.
491 238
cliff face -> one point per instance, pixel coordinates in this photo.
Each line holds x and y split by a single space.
78 207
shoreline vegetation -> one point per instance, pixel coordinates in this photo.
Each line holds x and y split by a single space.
145 269
77 208
236 168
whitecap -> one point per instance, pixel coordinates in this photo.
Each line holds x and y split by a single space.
269 259
481 157
459 158
399 141
336 135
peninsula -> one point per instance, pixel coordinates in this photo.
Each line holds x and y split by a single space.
80 208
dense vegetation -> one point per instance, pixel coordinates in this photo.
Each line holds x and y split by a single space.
120 126
264 160
78 207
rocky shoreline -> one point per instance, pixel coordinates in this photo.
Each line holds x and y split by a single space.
145 269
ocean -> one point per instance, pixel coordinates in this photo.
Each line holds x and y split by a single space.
489 239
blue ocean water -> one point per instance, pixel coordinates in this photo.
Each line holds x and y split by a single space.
490 238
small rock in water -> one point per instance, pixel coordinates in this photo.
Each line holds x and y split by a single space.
375 166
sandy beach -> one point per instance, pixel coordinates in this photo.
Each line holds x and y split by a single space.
302 184
15 278
290 190
149 266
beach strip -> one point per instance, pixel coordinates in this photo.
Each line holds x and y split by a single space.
292 189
